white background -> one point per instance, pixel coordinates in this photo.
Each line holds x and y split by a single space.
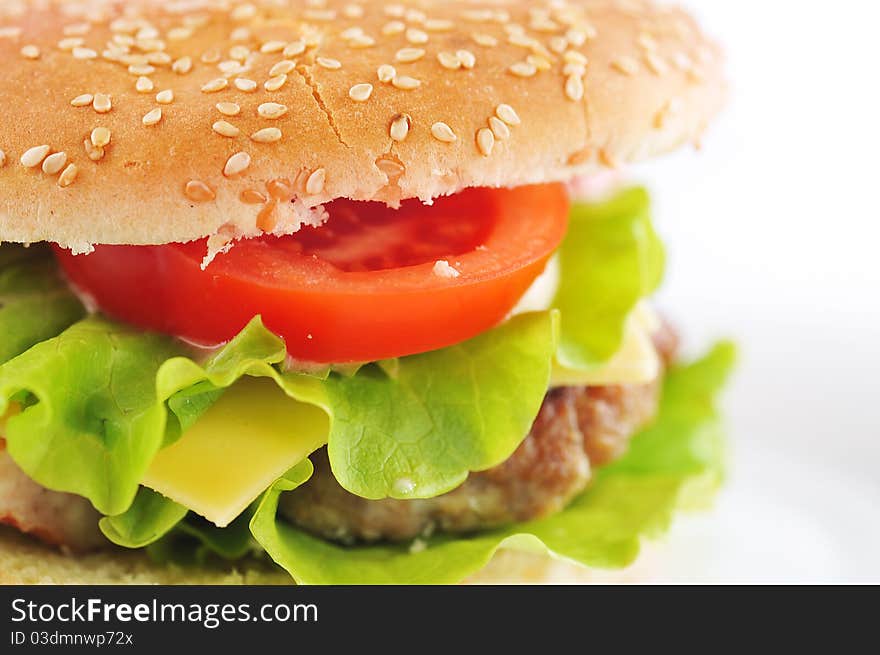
773 233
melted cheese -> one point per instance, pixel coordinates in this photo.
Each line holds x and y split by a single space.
248 439
637 361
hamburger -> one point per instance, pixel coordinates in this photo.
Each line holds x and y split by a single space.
343 292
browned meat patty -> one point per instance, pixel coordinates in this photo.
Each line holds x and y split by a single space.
576 430
56 518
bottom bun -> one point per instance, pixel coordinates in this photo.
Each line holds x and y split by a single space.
25 561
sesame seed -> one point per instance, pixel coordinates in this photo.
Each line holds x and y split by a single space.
93 152
573 68
352 33
353 11
252 197
574 88
448 60
101 103
83 100
182 66
646 41
272 46
243 12
237 164
271 110
443 269
499 128
521 40
393 28
239 52
275 83
34 156
416 36
360 92
143 85
325 15
362 42
215 85
329 64
485 40
507 114
467 58
226 129
68 176
141 69
625 65
54 163
523 69
198 191
77 29
152 117
158 58
415 16
439 25
406 83
246 85
84 53
408 55
558 44
100 137
165 97
282 67
656 63
540 62
228 108
442 132
2 159
386 73
485 141
179 33
315 183
682 61
71 43
210 57
30 52
294 48
240 34
397 11
147 32
400 127
575 57
477 15
231 67
576 37
267 135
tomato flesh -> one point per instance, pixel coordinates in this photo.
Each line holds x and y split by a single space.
361 287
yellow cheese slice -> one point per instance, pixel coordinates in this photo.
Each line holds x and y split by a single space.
247 440
637 361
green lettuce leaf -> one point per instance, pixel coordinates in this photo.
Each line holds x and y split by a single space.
150 516
611 258
417 431
35 303
629 501
95 414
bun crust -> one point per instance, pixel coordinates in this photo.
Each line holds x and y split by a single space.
24 561
594 83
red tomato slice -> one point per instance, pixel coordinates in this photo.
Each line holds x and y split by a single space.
362 287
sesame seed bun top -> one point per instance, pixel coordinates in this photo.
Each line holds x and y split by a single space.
153 122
